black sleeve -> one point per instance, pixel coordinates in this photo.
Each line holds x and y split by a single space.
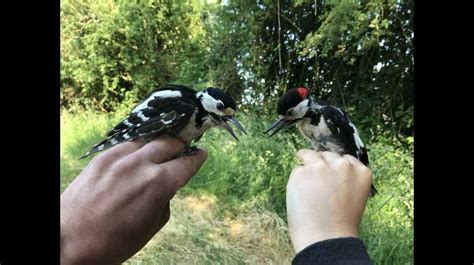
337 251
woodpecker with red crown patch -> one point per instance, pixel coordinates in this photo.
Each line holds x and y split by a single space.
327 127
177 111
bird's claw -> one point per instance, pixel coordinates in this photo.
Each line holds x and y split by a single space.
191 150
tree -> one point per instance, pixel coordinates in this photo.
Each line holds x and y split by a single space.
356 54
113 50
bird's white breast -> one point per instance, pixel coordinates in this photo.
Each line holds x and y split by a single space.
190 132
320 135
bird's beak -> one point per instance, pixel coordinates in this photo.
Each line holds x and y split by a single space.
229 129
278 125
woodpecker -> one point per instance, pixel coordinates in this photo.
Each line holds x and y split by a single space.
177 111
327 127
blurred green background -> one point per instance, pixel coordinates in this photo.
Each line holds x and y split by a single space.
357 55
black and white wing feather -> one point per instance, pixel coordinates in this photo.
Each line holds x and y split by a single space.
342 127
164 111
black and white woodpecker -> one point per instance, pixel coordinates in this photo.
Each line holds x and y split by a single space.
327 127
177 111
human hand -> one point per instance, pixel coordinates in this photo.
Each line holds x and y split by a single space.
326 197
121 200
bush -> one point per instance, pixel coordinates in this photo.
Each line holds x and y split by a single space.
110 49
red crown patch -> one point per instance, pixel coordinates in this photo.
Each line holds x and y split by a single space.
303 92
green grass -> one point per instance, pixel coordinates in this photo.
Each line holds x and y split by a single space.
78 133
199 234
233 210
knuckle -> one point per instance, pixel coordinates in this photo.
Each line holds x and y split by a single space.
366 172
189 162
298 170
103 159
156 176
319 164
134 159
342 162
157 172
119 167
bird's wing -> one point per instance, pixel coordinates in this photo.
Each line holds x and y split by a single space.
159 114
341 126
157 99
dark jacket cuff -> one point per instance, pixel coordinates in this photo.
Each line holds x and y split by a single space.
340 251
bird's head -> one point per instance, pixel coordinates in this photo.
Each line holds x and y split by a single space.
292 107
221 107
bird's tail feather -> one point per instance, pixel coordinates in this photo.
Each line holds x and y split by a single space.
372 191
112 140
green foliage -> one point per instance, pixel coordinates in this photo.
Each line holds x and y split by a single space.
387 228
79 132
110 48
251 172
365 50
249 178
357 54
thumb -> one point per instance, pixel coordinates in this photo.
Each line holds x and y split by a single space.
182 169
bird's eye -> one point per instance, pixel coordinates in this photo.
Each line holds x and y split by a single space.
220 106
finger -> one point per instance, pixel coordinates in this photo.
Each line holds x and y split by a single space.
360 168
308 156
180 170
164 216
161 149
117 152
354 161
329 156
